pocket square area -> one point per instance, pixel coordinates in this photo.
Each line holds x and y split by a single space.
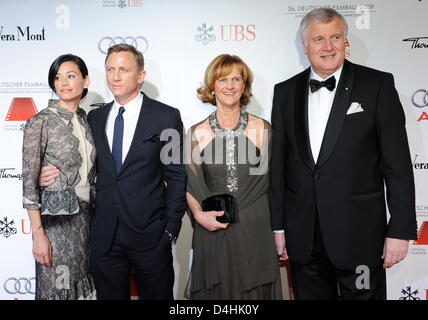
354 108
152 138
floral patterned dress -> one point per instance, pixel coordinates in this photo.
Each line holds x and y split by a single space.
58 137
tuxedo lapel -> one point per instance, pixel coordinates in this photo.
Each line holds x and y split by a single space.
338 113
105 151
301 119
142 125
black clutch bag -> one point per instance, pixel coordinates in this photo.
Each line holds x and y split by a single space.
221 202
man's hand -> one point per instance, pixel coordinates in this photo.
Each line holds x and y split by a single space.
394 250
280 246
48 175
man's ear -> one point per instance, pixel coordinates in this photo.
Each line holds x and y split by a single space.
305 50
141 76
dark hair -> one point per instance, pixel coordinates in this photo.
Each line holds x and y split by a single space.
127 48
53 70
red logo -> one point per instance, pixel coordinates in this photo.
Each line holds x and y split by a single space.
25 226
237 32
424 116
21 109
347 46
422 235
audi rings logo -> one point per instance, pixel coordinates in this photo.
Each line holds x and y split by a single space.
140 43
20 285
420 98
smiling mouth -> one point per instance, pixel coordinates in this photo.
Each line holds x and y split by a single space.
331 56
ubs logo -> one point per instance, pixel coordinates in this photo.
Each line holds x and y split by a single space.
232 32
205 34
409 294
238 32
6 227
123 3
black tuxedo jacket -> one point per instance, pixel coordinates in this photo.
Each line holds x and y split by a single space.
147 197
360 153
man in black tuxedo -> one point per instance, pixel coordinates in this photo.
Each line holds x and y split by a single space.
140 198
339 139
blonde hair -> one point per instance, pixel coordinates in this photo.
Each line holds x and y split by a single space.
221 66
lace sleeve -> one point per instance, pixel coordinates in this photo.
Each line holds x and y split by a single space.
33 148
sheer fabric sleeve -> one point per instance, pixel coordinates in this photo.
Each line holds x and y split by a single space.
33 148
196 185
265 151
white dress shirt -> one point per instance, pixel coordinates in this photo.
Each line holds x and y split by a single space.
130 119
319 107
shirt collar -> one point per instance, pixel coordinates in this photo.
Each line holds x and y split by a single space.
336 74
64 113
132 107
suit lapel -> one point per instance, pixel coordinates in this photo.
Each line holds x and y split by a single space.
338 113
301 119
142 125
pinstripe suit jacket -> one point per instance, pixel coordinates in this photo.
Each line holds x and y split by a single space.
147 196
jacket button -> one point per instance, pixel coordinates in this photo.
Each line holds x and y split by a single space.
316 175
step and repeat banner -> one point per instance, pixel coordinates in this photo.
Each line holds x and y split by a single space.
179 38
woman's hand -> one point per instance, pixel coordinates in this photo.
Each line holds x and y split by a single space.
48 175
207 219
42 249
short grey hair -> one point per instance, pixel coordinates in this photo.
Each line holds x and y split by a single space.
320 15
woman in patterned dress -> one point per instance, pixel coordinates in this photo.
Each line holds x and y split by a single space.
60 136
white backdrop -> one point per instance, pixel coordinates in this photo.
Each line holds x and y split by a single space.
179 39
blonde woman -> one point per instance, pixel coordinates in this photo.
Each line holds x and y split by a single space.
229 157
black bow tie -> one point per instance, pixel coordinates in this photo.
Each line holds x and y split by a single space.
330 84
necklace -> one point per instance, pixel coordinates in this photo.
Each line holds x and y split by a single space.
230 135
239 128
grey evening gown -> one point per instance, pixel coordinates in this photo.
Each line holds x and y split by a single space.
239 262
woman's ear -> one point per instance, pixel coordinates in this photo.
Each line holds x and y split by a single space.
86 82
